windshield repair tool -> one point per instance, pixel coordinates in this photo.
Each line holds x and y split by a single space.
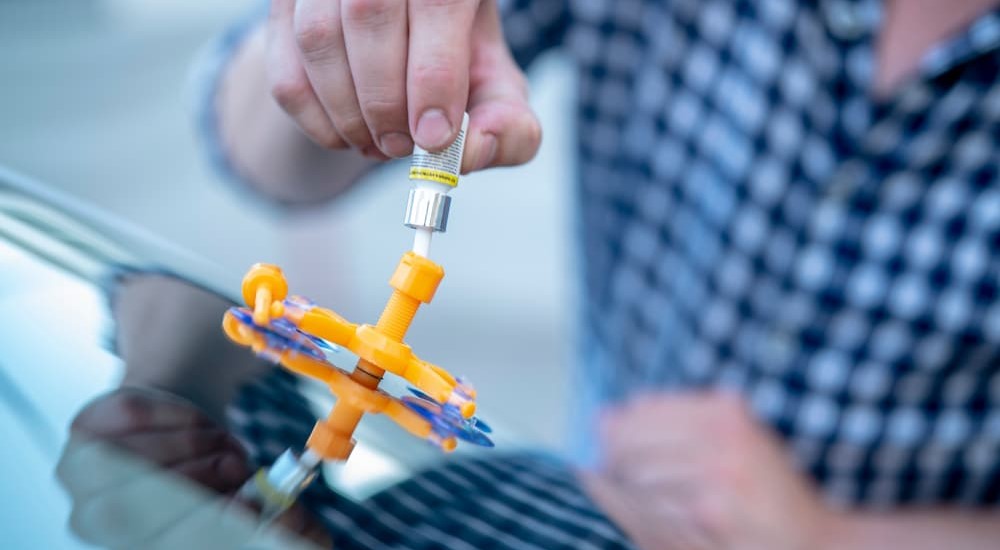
296 333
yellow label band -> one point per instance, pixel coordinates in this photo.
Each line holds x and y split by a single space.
431 174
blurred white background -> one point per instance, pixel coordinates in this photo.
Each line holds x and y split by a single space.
95 101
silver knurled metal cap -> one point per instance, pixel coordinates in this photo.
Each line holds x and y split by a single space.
427 208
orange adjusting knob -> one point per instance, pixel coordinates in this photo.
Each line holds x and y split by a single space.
415 281
264 286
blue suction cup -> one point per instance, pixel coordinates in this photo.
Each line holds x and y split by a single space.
282 335
446 420
479 423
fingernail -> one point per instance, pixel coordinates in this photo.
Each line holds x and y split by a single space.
396 144
490 147
433 130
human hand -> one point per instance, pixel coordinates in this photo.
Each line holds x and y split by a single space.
698 472
125 465
377 75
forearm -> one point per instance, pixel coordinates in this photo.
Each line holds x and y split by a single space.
264 145
917 530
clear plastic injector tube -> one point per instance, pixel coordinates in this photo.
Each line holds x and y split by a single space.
433 175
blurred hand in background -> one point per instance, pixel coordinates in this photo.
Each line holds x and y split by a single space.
698 472
127 466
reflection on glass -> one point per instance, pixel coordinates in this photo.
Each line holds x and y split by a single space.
151 463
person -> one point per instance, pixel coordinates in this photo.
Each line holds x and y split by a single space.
789 218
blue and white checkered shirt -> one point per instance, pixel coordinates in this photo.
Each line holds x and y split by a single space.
752 218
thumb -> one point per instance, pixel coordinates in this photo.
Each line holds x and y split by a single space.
503 130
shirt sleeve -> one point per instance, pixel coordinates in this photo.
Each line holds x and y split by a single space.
205 78
532 27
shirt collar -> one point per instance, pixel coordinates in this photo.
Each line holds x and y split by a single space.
859 21
979 38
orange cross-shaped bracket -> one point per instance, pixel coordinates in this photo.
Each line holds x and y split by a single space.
380 348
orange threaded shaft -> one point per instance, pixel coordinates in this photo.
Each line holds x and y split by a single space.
397 315
333 438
